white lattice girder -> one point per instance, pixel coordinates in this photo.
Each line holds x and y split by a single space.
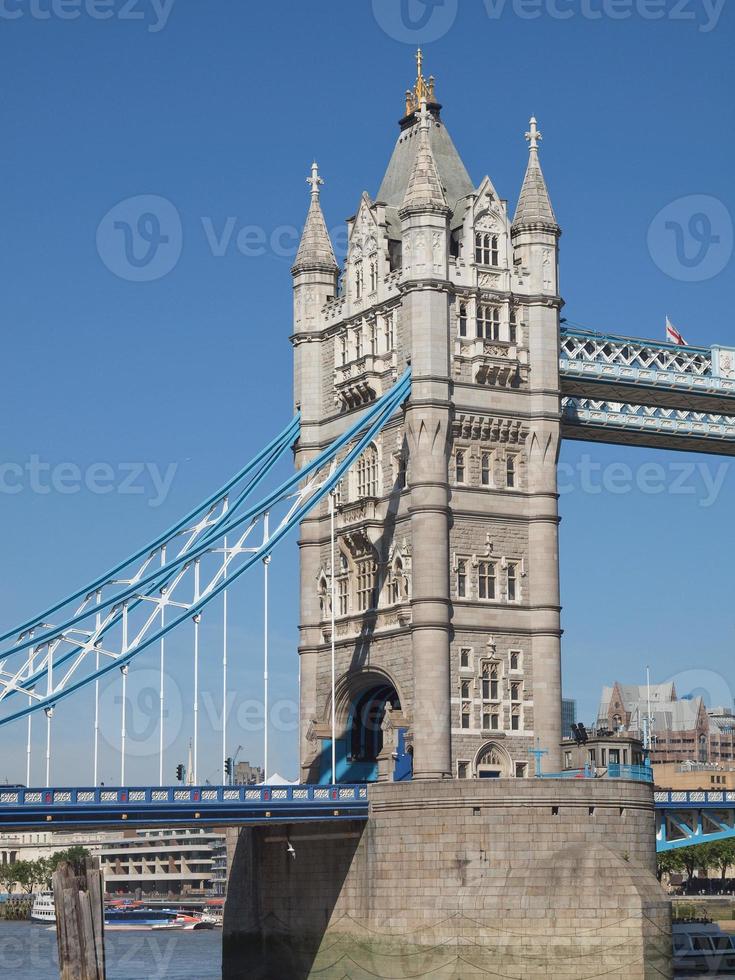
651 419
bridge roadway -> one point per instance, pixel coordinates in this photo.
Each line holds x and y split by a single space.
682 818
639 392
147 806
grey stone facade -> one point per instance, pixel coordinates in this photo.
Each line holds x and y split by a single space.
456 879
464 555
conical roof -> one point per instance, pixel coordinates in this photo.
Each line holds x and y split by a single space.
450 169
534 203
424 188
315 250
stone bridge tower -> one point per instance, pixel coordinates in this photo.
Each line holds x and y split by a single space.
447 579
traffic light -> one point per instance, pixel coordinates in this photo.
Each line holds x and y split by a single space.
228 766
180 772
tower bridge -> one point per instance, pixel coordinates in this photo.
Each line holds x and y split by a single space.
434 381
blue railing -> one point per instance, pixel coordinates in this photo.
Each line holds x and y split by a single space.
678 799
639 774
186 805
183 795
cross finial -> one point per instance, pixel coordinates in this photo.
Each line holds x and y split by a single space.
534 137
315 180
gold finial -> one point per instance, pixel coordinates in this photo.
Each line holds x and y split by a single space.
421 89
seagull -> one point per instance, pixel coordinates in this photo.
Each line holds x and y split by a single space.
290 850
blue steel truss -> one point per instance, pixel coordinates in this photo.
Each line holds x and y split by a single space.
62 808
694 817
652 420
614 359
106 625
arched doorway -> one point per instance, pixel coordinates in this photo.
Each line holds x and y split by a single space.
366 722
362 699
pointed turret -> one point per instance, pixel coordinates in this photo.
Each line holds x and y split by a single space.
315 251
424 191
534 205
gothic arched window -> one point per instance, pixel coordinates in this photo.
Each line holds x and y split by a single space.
462 319
366 584
359 279
367 473
459 465
513 325
343 585
389 331
324 597
514 592
373 275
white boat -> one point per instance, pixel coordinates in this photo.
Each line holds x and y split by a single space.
703 949
43 909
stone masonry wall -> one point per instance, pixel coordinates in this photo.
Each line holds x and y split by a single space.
449 879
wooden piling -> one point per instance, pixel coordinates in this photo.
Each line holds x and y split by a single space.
79 901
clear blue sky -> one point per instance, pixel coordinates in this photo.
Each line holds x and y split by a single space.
219 108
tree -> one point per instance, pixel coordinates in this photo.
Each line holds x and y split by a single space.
25 875
8 877
719 855
669 862
76 856
691 860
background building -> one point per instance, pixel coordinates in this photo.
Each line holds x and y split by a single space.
164 862
247 775
568 716
694 775
682 729
603 750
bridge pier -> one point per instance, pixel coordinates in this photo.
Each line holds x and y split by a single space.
456 878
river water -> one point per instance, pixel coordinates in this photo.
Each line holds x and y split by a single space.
28 952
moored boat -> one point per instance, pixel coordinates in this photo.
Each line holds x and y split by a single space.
43 909
701 948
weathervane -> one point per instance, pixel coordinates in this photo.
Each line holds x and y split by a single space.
422 89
